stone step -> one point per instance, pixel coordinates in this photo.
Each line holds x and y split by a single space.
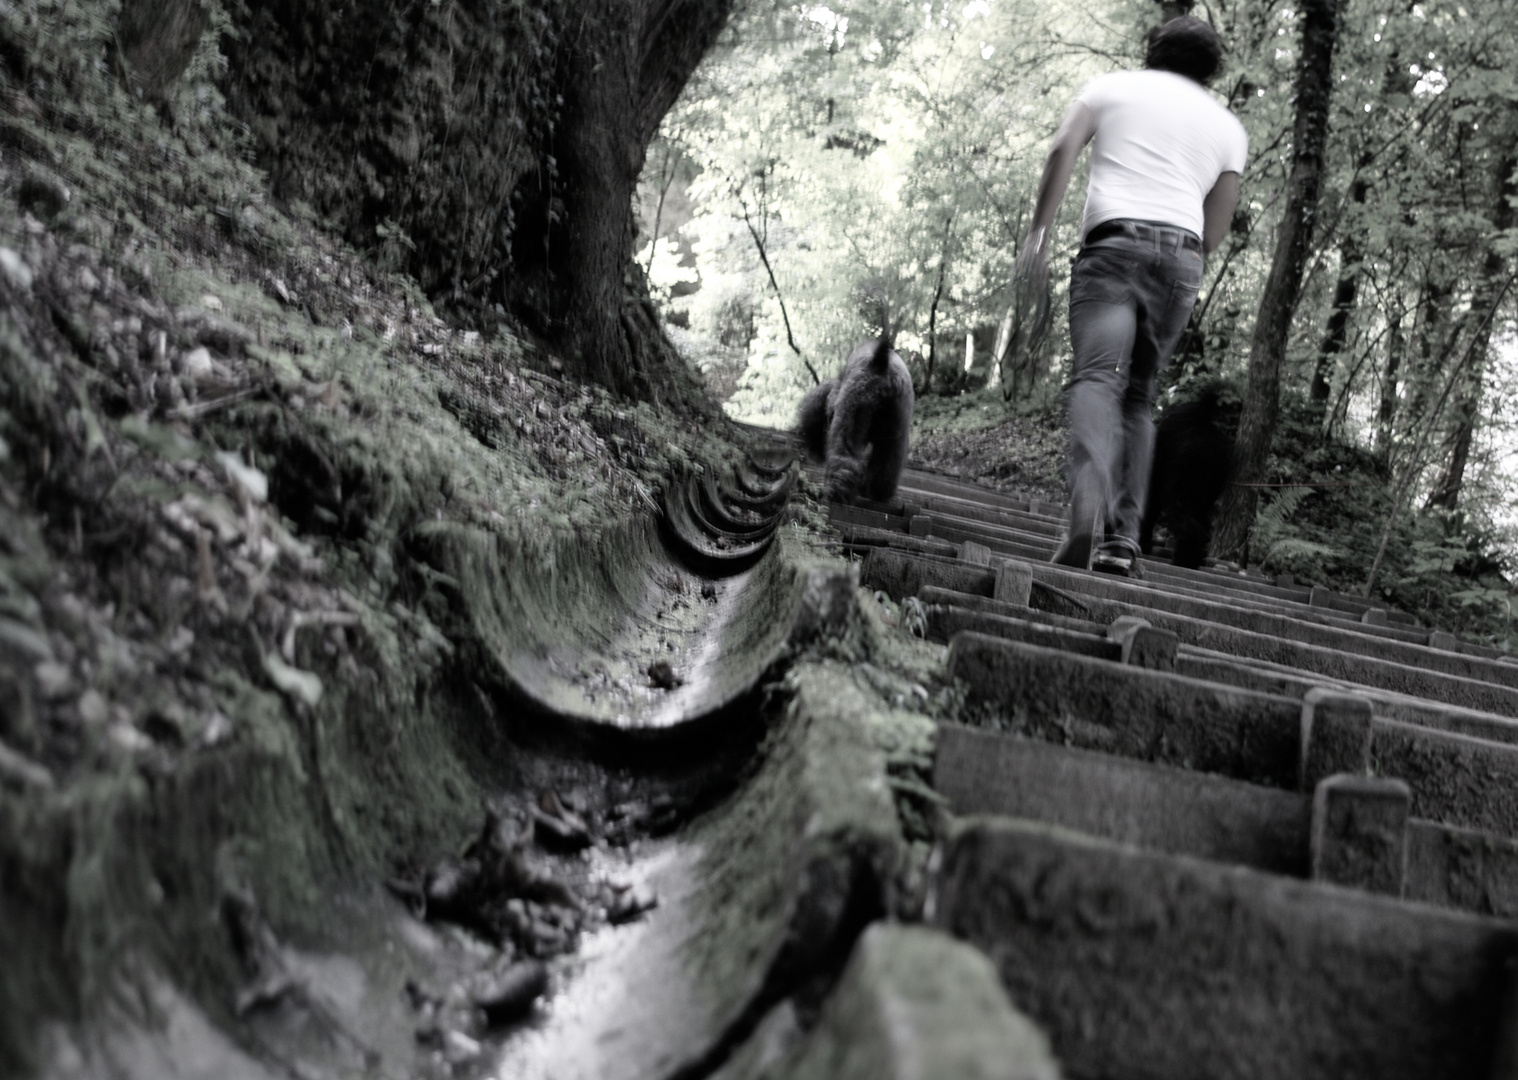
1467 682
966 522
944 621
841 514
1335 835
961 510
1266 739
1141 965
1231 589
921 481
1271 678
1462 868
1007 542
1298 610
932 594
858 539
1179 811
902 574
1255 675
1127 641
912 1004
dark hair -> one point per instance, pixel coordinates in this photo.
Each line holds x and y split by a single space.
1186 46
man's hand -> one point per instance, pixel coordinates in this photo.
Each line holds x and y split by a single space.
1033 260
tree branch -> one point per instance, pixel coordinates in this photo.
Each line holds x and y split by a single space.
765 259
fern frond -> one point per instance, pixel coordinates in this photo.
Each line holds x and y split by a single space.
1271 521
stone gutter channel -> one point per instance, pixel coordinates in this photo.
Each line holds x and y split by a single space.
1201 825
774 947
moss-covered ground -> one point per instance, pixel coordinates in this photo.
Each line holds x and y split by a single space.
233 684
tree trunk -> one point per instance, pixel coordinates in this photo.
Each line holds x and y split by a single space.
1346 292
489 147
624 68
1395 82
1386 416
1435 333
1489 292
1278 304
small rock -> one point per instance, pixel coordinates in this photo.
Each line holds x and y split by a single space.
301 685
93 708
211 303
548 939
555 826
517 918
128 738
196 364
15 269
631 904
252 481
218 729
459 1048
54 681
662 676
448 883
165 725
43 194
508 994
420 998
709 591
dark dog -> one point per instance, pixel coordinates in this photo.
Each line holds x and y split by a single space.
1193 462
858 423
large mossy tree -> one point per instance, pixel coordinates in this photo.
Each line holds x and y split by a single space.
490 147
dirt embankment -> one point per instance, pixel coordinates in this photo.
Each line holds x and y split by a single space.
233 684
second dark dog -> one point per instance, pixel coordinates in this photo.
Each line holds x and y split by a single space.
859 423
1193 462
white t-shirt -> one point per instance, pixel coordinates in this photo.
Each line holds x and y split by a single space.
1161 143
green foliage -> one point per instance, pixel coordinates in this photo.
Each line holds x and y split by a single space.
1275 538
1454 573
1439 565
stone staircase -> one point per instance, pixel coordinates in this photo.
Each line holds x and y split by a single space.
1207 823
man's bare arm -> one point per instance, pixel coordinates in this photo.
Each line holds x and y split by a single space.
1074 133
1217 210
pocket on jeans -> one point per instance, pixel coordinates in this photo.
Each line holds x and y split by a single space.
1103 277
1183 296
1191 267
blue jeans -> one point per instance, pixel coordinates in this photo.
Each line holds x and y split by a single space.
1131 293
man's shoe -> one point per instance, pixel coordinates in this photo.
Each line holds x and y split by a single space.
1077 550
1088 511
1119 559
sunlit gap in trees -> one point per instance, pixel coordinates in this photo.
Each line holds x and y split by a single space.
815 151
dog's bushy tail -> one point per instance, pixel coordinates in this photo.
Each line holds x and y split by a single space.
812 418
